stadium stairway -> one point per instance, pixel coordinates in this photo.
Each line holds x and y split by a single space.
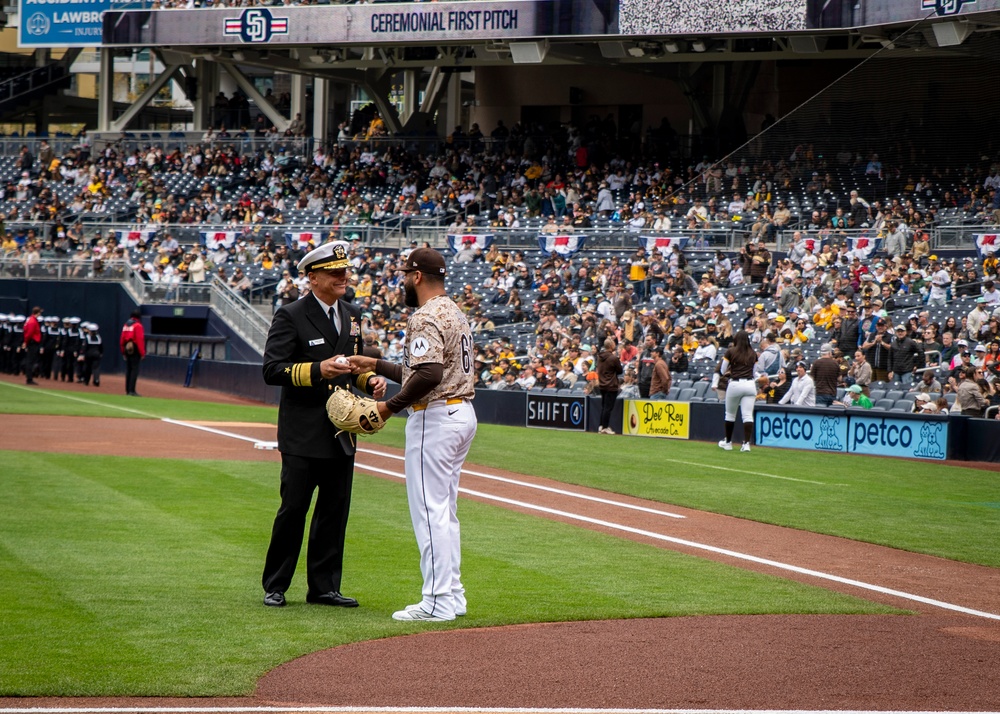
18 91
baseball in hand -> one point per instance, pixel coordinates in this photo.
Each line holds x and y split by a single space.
341 360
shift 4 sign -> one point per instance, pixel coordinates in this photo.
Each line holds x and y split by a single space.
554 412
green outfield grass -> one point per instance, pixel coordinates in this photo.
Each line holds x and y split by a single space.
131 576
18 399
922 506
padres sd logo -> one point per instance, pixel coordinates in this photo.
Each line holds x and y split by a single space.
256 24
945 7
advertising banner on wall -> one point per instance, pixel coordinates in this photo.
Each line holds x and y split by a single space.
666 420
853 432
795 430
551 411
898 437
505 20
364 24
58 23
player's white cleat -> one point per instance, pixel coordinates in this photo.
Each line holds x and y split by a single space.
745 448
460 607
415 613
727 445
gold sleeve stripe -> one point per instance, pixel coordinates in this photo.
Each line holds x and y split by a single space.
362 381
302 374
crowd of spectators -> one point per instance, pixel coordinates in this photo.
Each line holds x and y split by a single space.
570 177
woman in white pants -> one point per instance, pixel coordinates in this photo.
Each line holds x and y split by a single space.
742 390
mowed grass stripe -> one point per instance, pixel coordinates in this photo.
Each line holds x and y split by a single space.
18 399
142 576
921 506
924 507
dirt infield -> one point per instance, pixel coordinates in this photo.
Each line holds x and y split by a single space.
939 659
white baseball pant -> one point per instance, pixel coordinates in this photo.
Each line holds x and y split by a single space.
740 394
437 441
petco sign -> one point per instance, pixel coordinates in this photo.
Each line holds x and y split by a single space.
794 430
898 437
823 430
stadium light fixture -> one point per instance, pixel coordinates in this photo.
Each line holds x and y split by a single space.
636 51
239 56
529 52
671 47
950 34
698 45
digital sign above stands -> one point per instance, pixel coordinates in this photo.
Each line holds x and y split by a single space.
362 24
387 23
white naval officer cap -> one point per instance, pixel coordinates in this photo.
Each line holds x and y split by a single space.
329 256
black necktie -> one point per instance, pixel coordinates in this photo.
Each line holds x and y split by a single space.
333 323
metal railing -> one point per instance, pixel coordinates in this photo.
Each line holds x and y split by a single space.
33 79
610 237
398 231
131 141
60 269
239 315
392 235
935 364
209 348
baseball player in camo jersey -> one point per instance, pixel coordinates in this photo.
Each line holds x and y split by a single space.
437 391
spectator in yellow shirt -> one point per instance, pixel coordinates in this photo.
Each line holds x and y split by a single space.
638 267
824 317
690 343
365 287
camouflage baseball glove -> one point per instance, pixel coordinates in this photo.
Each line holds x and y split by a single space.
349 412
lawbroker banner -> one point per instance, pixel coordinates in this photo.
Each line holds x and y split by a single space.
62 23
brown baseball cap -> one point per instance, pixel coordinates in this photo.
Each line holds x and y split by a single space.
426 260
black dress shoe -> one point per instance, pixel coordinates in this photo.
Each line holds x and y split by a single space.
275 599
331 598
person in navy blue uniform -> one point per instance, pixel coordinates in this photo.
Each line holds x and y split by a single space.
305 339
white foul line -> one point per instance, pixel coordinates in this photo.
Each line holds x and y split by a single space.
550 489
443 710
753 473
711 549
210 430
